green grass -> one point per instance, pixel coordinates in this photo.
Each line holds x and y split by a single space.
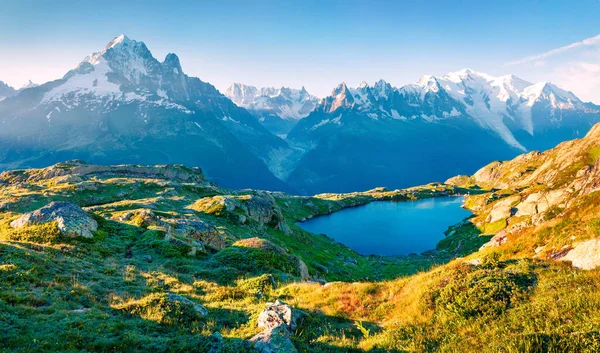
111 293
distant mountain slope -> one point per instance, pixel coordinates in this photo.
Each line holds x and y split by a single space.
278 109
6 91
121 105
362 137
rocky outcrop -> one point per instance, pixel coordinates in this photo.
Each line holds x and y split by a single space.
541 202
259 207
585 255
80 169
276 340
279 321
500 238
488 174
142 218
71 219
503 209
196 230
533 204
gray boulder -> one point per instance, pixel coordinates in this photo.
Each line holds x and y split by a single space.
275 340
260 208
71 219
195 230
277 314
279 321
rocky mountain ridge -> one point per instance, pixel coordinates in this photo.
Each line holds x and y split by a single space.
278 109
461 121
121 105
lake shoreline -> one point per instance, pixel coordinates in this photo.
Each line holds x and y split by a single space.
392 228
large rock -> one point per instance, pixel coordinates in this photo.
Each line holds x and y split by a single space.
279 321
195 230
71 219
276 340
503 209
488 174
259 207
533 204
277 314
500 238
585 255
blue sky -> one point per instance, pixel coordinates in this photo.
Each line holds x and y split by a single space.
317 44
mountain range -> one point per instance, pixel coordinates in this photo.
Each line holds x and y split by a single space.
8 91
377 134
278 109
122 105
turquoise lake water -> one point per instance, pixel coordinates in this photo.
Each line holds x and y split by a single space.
391 228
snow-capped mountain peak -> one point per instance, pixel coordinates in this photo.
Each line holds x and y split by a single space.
29 84
119 40
6 91
124 70
340 97
286 103
124 102
493 102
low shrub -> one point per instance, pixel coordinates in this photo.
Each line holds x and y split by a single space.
47 233
488 289
253 260
158 307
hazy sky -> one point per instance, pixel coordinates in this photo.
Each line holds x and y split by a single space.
317 44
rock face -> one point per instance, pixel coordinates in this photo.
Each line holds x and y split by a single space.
71 219
279 321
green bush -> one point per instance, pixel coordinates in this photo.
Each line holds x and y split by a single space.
158 307
47 233
263 283
488 289
253 260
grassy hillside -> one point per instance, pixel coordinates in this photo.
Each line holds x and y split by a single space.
501 281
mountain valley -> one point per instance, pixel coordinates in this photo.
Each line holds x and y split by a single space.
159 258
121 105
